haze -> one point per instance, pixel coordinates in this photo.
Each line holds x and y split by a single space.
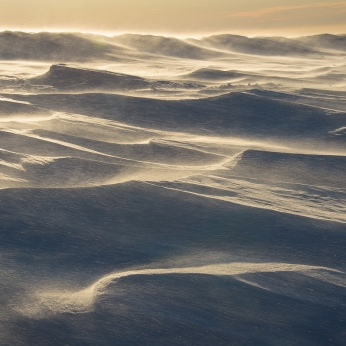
172 172
177 17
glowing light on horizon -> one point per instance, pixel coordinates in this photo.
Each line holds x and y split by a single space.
178 18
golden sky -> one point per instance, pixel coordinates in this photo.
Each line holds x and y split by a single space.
176 17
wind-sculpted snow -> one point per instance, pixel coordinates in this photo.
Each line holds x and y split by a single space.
165 191
237 113
47 302
10 107
314 202
214 75
64 77
339 132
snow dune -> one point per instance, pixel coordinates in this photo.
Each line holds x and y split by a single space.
165 191
50 302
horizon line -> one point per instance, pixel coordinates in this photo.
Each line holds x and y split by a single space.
179 36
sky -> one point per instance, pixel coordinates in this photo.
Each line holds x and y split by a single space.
176 17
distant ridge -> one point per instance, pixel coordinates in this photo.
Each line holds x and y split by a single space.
257 45
167 46
52 47
337 42
76 47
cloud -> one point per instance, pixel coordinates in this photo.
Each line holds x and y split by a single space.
337 6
